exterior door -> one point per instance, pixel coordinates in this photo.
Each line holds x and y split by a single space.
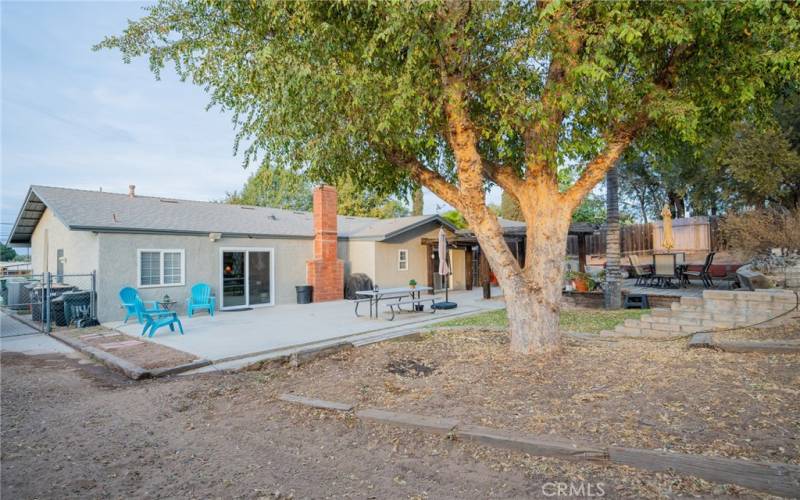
259 290
247 278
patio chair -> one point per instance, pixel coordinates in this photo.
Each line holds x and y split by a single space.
642 274
704 274
665 269
128 297
200 299
153 320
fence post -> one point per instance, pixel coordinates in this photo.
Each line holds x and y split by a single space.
47 278
93 297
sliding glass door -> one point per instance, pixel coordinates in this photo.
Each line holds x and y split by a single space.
258 278
247 277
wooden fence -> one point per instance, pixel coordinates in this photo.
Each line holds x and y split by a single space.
690 235
634 239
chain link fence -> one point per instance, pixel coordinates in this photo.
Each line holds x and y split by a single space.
47 301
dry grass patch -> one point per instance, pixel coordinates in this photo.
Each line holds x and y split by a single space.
634 393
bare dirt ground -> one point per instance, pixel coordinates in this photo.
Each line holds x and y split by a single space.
782 333
630 393
77 430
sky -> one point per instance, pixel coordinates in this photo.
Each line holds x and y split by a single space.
76 118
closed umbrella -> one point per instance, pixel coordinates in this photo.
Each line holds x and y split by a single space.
444 271
668 240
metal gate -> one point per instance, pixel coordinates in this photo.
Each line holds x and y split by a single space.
43 302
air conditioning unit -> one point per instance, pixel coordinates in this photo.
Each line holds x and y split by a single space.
18 296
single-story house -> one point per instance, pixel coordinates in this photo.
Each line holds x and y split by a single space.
250 256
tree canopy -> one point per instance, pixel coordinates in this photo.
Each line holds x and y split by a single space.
756 163
456 95
7 253
359 87
282 188
274 187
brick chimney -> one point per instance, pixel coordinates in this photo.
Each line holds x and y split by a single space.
325 273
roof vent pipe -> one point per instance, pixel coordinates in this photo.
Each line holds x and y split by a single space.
131 191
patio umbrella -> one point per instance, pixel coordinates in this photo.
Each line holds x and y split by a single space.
444 271
668 240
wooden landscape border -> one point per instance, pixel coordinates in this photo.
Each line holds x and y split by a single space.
767 347
770 477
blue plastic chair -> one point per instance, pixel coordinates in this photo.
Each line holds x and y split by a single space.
200 299
128 296
153 320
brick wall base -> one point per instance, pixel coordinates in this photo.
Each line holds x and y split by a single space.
327 278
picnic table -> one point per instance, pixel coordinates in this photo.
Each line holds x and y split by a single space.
375 296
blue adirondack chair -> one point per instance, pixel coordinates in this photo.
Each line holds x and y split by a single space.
128 297
200 299
153 320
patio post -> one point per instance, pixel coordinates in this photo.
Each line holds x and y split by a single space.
46 300
582 252
468 267
484 276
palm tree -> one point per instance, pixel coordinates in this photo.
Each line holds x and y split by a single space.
613 289
416 200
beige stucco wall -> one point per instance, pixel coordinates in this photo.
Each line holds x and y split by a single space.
388 275
81 248
458 280
118 266
359 257
114 256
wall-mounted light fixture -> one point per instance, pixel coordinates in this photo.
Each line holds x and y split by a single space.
214 236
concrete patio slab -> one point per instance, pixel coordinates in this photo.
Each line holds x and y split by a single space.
238 338
16 336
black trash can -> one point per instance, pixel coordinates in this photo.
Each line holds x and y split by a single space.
57 314
304 294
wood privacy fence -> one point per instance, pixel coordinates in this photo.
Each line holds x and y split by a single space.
636 238
690 234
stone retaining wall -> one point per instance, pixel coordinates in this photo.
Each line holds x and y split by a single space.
716 309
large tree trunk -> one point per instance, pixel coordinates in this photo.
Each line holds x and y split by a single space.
613 291
678 204
533 293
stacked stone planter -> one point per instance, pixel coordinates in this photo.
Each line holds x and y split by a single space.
715 310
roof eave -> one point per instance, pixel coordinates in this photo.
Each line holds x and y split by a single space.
12 233
134 230
419 223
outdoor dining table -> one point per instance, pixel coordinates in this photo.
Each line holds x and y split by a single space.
375 296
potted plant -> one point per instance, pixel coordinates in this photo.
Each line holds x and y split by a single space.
412 284
582 282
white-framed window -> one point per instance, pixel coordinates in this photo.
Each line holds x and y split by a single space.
159 267
402 260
